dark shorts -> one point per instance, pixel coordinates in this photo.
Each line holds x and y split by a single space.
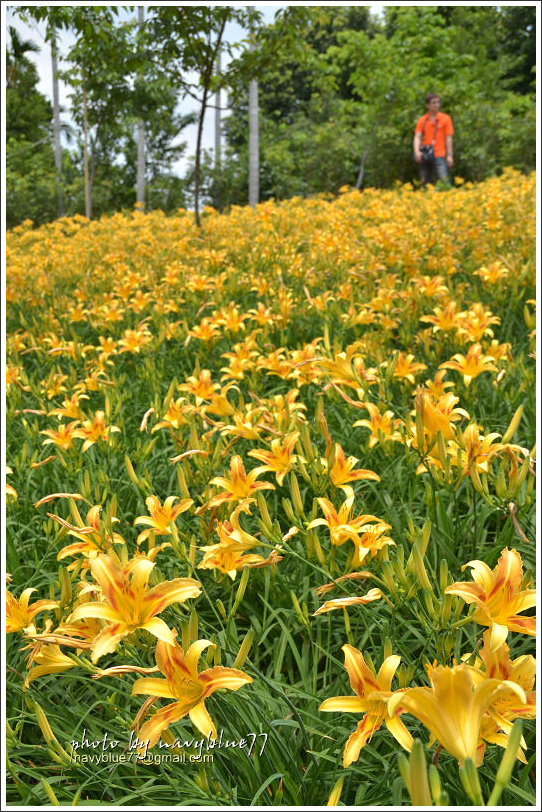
437 168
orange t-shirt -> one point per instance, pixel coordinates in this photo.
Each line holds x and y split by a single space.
445 127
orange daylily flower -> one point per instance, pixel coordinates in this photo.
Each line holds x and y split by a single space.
438 415
127 602
239 486
475 450
342 525
373 594
61 437
186 686
343 471
93 430
453 708
472 364
372 693
202 387
49 659
496 664
19 615
498 596
280 459
162 516
445 319
382 426
406 368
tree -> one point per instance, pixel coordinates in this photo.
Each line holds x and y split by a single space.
189 39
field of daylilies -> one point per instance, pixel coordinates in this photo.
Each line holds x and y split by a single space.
271 503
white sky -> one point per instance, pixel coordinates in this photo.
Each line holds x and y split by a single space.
42 60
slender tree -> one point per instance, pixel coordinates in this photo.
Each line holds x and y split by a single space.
253 143
140 201
56 123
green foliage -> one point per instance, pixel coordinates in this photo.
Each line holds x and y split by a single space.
353 93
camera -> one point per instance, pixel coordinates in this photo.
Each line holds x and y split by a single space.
428 155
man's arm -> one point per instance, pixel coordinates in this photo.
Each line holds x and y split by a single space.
416 144
449 150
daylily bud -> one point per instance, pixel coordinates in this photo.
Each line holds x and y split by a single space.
240 590
296 495
264 512
440 798
443 575
335 794
130 468
479 485
446 608
471 783
500 484
419 784
65 587
308 448
288 509
506 766
193 625
181 479
318 549
514 423
297 607
246 645
49 792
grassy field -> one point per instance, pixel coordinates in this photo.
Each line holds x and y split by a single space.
272 482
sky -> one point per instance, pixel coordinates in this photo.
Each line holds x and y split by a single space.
42 60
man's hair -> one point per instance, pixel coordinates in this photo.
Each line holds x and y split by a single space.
431 96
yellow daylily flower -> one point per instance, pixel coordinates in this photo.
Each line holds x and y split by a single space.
127 602
93 430
184 684
93 537
472 364
19 615
61 437
496 664
240 485
498 596
228 556
162 516
49 660
453 708
342 525
340 603
280 459
382 426
372 693
10 490
438 415
342 471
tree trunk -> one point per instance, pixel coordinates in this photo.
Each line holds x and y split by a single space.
362 169
56 127
140 194
218 133
88 198
207 75
253 144
197 170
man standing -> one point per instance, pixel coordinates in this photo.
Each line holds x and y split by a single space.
433 144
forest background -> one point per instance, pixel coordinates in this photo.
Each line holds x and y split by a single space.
339 92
